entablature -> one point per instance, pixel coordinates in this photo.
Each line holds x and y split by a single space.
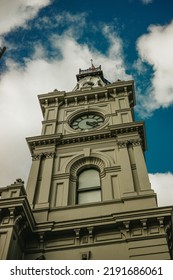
132 224
113 131
159 214
109 92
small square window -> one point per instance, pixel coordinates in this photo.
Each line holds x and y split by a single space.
85 255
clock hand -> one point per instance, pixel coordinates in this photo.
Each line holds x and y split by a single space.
93 124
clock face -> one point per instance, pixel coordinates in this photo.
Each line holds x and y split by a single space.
87 121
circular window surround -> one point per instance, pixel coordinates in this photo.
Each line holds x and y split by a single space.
81 112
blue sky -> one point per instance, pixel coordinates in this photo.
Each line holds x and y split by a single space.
49 40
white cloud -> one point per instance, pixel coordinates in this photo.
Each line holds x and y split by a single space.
155 48
72 22
15 13
68 18
139 66
162 183
19 86
114 53
146 2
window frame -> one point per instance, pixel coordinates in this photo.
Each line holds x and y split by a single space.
88 189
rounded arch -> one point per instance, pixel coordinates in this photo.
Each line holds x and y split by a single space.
77 165
90 162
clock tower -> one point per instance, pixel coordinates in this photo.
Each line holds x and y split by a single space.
88 182
88 194
90 129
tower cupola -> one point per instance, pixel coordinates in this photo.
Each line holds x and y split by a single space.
90 78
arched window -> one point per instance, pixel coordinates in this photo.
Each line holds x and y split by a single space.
89 188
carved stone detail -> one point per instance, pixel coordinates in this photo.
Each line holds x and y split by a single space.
77 232
86 161
49 154
37 156
127 229
122 144
41 241
19 181
136 142
43 155
90 231
144 225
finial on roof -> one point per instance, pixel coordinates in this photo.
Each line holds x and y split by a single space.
92 65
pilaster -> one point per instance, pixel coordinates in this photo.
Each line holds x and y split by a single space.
144 184
126 178
33 177
43 196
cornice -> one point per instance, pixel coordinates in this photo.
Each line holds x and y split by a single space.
113 131
18 214
124 219
110 91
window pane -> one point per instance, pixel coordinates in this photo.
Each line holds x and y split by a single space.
88 197
89 178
